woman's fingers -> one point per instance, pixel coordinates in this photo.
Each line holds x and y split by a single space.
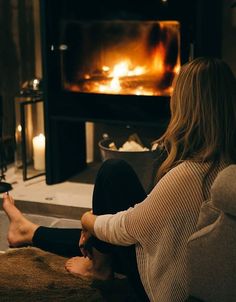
84 244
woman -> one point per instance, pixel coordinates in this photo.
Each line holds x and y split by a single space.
145 237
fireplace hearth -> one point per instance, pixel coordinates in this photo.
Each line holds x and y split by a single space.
113 63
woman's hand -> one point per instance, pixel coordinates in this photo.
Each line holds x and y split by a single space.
84 244
87 222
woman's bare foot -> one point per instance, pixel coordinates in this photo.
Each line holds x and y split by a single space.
21 230
99 269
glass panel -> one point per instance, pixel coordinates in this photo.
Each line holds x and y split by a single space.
120 57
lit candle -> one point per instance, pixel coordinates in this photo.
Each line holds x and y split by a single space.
18 134
39 152
18 151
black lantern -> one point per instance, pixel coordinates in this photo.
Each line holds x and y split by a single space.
29 133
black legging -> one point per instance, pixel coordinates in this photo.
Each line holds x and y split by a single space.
117 188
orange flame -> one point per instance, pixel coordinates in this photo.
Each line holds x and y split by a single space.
121 69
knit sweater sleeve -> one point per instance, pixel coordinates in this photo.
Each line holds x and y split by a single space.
173 200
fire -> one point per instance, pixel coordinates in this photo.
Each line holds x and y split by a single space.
122 69
177 69
158 64
112 87
115 84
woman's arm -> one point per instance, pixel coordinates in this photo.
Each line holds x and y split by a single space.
171 208
174 200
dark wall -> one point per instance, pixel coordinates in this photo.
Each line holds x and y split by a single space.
16 57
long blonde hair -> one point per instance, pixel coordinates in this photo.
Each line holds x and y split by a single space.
203 115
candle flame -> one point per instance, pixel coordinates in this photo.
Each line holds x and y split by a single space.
41 136
19 128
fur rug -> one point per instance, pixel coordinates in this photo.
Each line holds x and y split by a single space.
32 275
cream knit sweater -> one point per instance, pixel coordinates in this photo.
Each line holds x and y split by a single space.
160 227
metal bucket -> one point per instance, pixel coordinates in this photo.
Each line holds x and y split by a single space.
144 163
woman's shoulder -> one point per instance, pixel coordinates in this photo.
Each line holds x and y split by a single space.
191 165
189 169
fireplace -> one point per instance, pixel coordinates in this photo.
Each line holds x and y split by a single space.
113 62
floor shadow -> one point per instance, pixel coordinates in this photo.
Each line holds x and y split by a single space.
88 175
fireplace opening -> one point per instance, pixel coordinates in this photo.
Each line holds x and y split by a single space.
120 57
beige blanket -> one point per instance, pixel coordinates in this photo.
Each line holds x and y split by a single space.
32 275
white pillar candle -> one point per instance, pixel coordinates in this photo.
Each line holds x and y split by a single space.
39 152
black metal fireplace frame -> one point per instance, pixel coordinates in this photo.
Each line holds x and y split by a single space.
66 112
